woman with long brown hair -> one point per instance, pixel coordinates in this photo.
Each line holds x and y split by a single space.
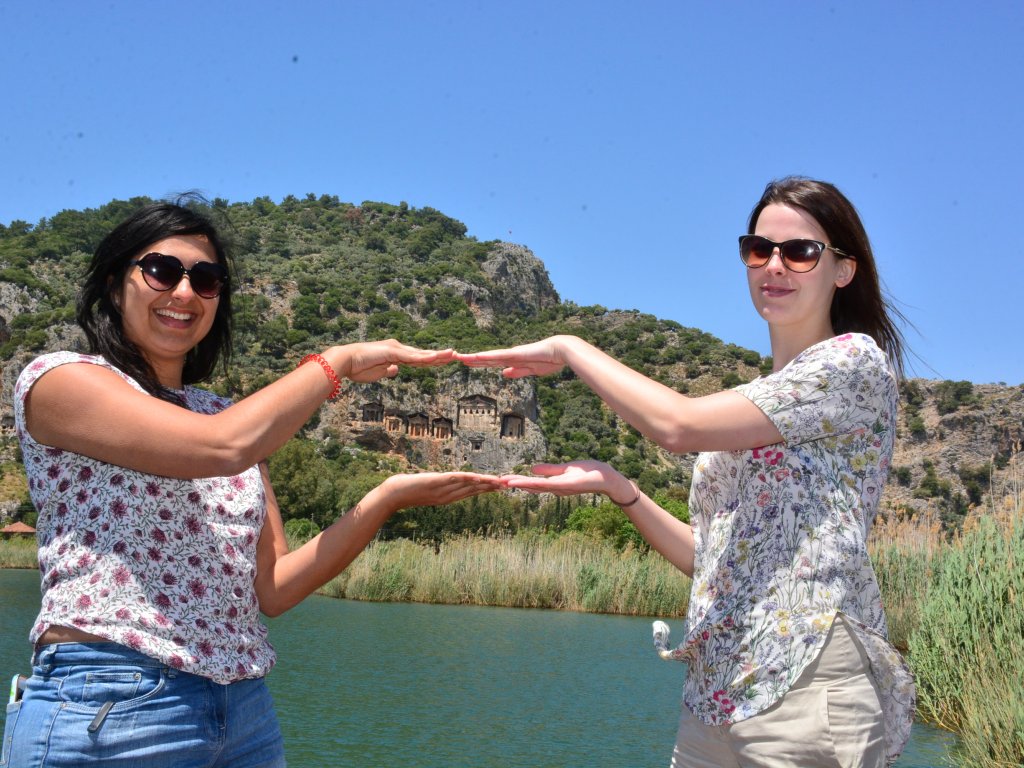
785 640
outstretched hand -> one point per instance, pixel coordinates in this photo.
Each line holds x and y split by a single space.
373 360
573 478
427 489
537 359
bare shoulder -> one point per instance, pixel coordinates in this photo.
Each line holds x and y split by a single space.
74 382
79 398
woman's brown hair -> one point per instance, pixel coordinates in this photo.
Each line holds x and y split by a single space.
860 306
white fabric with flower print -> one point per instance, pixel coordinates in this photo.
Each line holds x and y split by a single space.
161 565
780 536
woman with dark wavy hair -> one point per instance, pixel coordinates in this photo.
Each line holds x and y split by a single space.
98 311
160 539
785 639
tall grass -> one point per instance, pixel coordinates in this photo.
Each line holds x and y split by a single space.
904 552
18 552
529 570
993 716
570 571
968 648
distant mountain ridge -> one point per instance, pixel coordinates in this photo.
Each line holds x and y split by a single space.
318 271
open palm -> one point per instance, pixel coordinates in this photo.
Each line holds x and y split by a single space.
570 479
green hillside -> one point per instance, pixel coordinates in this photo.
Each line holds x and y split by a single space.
318 271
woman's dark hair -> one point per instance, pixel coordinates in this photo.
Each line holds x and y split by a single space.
860 306
100 318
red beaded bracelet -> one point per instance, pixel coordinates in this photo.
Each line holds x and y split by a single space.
328 370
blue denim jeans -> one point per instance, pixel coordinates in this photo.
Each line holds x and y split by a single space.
104 704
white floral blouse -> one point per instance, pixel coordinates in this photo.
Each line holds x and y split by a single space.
780 535
161 565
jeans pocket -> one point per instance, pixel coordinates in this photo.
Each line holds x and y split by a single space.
12 719
120 686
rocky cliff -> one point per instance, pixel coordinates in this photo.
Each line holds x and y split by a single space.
475 420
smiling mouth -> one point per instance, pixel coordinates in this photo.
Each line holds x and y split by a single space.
773 290
182 316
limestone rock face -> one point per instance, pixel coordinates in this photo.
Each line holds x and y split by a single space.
521 280
518 284
973 435
475 420
15 300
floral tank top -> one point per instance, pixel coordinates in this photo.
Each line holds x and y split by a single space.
161 565
780 536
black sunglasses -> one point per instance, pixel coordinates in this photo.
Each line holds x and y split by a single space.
162 273
799 255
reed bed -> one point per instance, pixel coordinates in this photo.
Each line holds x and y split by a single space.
992 721
904 551
529 570
18 552
967 650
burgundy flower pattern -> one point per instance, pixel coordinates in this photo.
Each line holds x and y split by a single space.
781 540
161 565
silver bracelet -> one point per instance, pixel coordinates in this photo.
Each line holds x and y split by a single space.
631 502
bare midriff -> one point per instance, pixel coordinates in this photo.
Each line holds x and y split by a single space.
57 634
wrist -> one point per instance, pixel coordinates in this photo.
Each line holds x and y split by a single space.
388 496
567 347
328 369
628 497
341 360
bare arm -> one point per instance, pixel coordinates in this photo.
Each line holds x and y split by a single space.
90 410
667 534
722 421
284 579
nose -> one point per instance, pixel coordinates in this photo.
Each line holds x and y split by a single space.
183 289
775 263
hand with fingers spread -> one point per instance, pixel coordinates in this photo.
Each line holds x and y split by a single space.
537 359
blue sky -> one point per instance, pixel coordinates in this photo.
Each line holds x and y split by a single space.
624 143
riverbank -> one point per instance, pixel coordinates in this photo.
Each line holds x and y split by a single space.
574 572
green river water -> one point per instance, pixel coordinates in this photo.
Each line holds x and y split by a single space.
399 684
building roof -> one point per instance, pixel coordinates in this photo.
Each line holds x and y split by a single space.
18 527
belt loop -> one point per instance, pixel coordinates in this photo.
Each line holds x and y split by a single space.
43 658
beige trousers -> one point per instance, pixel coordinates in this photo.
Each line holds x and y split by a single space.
831 717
